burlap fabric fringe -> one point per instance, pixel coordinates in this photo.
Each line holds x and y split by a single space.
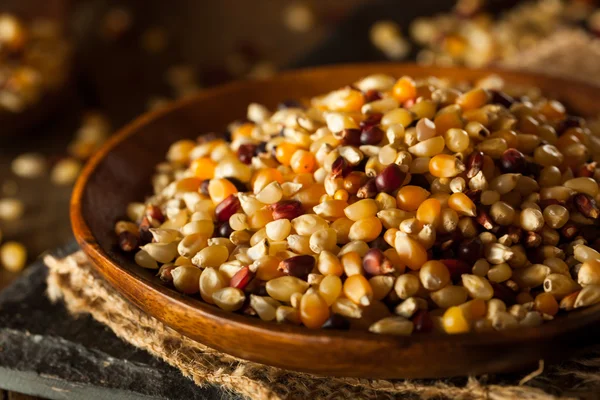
72 280
568 53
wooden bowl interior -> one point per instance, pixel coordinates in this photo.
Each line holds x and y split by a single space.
121 173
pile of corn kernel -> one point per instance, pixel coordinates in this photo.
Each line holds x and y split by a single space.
471 36
33 61
391 205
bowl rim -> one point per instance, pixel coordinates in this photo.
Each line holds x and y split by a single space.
86 239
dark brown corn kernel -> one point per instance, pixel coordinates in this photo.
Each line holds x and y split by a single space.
350 137
368 190
423 322
128 241
512 161
298 266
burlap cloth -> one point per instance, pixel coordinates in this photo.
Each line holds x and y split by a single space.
568 53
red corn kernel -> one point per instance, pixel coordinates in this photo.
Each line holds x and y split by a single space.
241 278
470 250
587 170
390 179
456 268
373 119
371 135
423 322
287 209
512 161
484 219
154 214
298 266
227 208
340 167
350 137
128 241
372 95
245 152
474 164
375 263
504 293
368 190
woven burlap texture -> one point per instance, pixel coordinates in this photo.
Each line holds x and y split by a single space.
73 280
570 54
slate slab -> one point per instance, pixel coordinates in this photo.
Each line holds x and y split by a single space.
46 352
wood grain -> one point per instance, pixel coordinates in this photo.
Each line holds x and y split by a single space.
121 173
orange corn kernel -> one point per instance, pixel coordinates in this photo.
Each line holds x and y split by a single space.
410 197
454 321
203 168
546 303
429 212
351 102
553 110
475 98
446 121
242 131
220 189
263 177
474 309
445 166
188 185
410 252
303 161
284 153
462 204
358 289
314 310
404 89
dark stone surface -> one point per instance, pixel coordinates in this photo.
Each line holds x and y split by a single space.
46 352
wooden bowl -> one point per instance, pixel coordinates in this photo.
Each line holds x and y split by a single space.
121 171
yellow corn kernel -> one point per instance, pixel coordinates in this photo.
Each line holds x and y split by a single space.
457 140
454 321
409 198
358 290
361 209
179 151
411 253
445 166
429 212
462 204
434 275
309 196
330 288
